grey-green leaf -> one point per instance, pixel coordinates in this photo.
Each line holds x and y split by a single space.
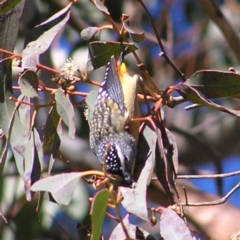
10 19
135 198
134 231
28 83
101 6
172 227
88 33
61 186
30 54
66 111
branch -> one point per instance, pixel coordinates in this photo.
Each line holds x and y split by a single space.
223 175
216 15
162 53
215 202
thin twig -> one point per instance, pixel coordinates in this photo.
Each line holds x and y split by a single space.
112 217
139 62
54 71
185 194
119 214
162 53
170 41
216 15
222 175
144 95
215 202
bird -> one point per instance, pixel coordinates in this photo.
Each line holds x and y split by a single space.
114 147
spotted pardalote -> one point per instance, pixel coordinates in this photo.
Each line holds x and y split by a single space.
112 144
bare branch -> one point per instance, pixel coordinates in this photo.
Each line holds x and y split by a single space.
223 175
216 15
162 53
215 202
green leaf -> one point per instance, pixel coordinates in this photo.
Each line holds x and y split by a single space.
172 227
192 95
215 84
66 111
28 83
61 186
100 52
98 211
51 137
7 5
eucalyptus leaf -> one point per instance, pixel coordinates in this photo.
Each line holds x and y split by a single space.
39 39
66 111
88 33
133 230
61 186
194 96
28 83
98 211
28 165
137 37
24 113
172 227
6 6
215 84
11 12
134 200
100 52
51 137
99 4
38 147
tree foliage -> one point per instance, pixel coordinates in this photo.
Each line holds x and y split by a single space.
42 121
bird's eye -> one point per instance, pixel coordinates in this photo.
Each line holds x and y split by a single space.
128 178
